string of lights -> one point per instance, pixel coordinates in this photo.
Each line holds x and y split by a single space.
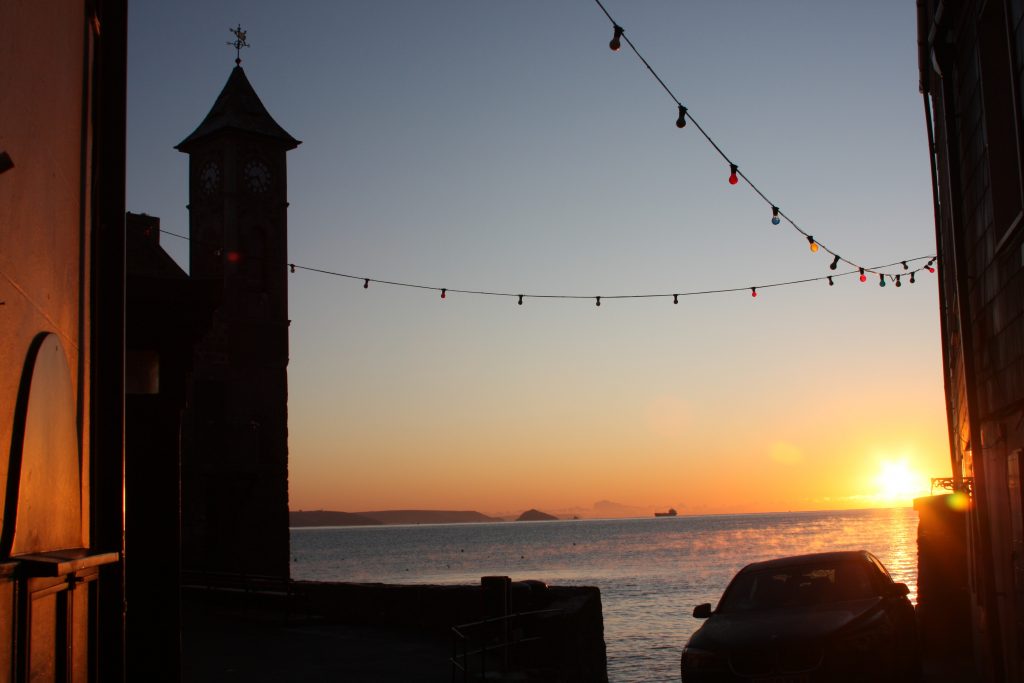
896 278
735 174
684 115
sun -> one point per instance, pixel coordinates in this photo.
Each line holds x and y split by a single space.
898 483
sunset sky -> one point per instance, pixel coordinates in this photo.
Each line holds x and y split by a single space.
501 146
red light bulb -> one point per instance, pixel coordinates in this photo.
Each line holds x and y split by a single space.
863 277
753 292
733 177
444 293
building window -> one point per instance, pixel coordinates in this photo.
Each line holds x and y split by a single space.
1002 72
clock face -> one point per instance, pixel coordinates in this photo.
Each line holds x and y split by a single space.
257 176
209 177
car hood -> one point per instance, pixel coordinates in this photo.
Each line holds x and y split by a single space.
815 622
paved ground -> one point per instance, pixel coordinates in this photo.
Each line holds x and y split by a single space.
225 648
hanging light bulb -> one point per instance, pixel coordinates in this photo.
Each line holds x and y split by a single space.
863 277
830 283
881 280
814 245
775 216
366 283
733 177
520 299
292 266
444 293
681 121
930 268
616 42
753 292
905 266
675 298
912 278
898 283
598 300
835 263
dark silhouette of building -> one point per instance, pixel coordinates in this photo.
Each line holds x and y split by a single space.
213 344
207 390
62 137
972 76
234 468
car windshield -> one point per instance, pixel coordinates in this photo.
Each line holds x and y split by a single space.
797 586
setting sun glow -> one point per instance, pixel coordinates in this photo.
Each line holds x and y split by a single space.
898 483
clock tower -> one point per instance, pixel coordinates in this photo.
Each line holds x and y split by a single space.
234 462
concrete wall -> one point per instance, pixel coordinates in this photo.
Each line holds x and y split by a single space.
569 643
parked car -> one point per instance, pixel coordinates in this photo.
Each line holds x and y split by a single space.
823 617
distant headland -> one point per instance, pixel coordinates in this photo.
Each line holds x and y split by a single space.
533 515
306 518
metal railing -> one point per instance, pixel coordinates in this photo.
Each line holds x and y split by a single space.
496 645
966 485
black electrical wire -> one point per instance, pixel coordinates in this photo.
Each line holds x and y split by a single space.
689 116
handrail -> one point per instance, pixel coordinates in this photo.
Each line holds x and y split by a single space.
462 635
491 620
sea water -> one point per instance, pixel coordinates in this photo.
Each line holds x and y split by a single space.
651 571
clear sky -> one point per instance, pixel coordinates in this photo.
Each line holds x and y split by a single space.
476 144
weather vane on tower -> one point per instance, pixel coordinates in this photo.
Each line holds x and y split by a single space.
238 43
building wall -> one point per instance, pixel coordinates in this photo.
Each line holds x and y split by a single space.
44 226
972 62
62 82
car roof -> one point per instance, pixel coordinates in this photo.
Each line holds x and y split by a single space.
838 556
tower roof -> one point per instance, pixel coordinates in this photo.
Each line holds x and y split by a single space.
238 108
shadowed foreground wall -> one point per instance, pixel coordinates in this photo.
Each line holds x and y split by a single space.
566 637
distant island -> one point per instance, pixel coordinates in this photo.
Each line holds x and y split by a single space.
307 518
533 515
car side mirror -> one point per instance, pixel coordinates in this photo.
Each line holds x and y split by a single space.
899 590
702 611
